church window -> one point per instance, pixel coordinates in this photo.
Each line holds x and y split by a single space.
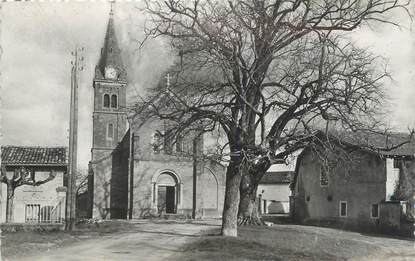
114 101
106 101
157 142
324 179
110 131
179 143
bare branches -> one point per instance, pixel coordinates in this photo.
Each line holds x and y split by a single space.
23 176
270 70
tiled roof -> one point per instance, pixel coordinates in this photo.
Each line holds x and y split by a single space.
275 177
393 144
24 155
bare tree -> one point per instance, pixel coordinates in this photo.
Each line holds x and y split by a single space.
81 177
19 177
267 73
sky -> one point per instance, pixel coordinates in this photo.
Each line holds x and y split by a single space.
37 39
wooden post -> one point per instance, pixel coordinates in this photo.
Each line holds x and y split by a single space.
73 141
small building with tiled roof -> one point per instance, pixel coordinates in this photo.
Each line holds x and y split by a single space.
277 177
36 204
274 190
359 189
33 156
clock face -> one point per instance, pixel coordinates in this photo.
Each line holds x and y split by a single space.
110 73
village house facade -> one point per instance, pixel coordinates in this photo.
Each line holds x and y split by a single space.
36 204
358 193
274 190
135 171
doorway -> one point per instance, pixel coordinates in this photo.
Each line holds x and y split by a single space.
166 197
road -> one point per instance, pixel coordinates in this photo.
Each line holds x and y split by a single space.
148 241
161 241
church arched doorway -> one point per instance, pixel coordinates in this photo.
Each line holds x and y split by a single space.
167 191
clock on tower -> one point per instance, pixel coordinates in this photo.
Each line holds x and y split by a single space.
110 73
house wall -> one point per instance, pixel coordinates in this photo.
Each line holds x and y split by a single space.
44 195
277 192
361 183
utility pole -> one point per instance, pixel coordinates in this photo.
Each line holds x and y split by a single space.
73 138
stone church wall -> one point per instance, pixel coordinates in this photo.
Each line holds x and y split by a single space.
101 171
149 164
110 179
119 179
145 177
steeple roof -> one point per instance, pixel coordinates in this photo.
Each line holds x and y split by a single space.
110 53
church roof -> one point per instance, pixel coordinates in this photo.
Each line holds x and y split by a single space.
110 53
27 155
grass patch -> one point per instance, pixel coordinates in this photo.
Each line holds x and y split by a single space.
253 243
241 248
23 243
26 243
223 248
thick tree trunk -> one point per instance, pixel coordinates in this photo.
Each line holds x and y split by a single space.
248 205
248 209
230 208
9 203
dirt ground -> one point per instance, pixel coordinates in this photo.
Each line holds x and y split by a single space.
149 240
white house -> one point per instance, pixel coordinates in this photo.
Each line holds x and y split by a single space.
36 204
274 189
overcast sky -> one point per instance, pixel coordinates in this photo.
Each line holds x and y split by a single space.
37 39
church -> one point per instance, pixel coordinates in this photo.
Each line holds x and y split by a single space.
129 177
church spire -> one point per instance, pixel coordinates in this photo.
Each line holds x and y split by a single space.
110 53
112 8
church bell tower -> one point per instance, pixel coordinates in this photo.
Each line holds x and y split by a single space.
109 116
106 181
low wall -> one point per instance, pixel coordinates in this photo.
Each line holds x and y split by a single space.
16 227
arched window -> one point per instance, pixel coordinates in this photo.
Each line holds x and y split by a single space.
106 101
114 101
110 131
179 143
157 142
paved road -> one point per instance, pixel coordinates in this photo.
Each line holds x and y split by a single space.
148 241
